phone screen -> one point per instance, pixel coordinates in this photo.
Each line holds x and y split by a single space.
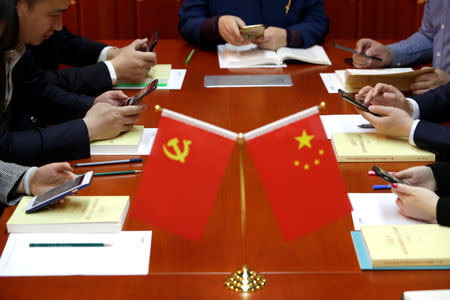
385 175
137 99
63 188
349 98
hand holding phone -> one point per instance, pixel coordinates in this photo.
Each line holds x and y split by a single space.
137 99
59 192
349 98
386 175
252 32
152 42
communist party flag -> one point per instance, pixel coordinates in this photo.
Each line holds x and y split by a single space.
299 173
182 175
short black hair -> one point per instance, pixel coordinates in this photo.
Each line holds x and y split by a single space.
8 17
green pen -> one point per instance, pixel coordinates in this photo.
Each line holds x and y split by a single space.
69 245
118 173
189 57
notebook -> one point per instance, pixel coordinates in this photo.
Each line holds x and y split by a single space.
125 142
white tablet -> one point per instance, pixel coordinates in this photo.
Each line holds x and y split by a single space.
59 192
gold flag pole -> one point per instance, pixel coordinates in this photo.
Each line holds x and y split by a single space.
244 280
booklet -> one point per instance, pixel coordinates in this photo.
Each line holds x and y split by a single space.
250 56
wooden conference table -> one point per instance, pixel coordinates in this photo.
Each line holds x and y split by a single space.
320 265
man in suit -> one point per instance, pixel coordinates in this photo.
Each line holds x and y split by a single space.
426 194
414 118
430 43
97 66
296 24
17 180
30 103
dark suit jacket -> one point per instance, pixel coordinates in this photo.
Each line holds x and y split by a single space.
434 108
441 173
88 77
24 135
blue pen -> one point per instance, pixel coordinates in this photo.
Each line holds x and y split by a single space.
110 162
381 187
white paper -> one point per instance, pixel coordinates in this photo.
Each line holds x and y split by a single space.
344 123
427 295
377 209
175 82
129 254
331 82
386 71
145 146
228 47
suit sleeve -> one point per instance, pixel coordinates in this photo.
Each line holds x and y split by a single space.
314 25
192 15
435 105
10 176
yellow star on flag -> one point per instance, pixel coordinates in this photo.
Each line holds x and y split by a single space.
304 140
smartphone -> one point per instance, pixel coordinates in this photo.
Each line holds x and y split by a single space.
356 52
59 192
252 32
152 42
349 98
386 175
137 99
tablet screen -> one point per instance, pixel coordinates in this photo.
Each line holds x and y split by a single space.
58 190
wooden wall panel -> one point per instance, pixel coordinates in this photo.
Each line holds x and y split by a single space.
161 15
70 17
130 19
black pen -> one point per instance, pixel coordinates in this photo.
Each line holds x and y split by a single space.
356 52
367 126
109 162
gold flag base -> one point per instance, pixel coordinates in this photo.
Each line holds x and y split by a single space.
245 281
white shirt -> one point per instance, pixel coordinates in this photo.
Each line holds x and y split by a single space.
415 116
109 65
11 59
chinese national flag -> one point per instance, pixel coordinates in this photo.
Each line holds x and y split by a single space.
299 173
183 174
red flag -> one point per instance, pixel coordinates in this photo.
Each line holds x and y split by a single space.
299 173
182 175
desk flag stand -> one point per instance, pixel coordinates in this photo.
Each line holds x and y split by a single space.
244 280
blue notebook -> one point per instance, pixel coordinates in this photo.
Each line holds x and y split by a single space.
364 260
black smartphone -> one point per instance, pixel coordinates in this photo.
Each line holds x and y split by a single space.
356 52
386 175
349 98
137 99
152 42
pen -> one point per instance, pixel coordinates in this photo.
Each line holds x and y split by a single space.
356 52
381 187
118 173
372 173
366 126
69 245
189 57
110 162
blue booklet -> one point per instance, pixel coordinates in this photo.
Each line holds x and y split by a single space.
366 264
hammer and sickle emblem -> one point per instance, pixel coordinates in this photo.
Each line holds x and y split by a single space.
178 156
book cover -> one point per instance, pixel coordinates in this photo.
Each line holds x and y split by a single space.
76 214
159 71
126 141
355 79
407 245
375 147
365 263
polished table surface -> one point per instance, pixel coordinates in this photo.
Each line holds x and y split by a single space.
320 265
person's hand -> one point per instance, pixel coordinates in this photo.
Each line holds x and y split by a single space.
428 81
105 121
273 39
229 30
372 48
385 95
421 176
48 177
115 98
131 64
393 121
416 202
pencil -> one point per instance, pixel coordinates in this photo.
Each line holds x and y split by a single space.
118 173
69 245
109 162
189 57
